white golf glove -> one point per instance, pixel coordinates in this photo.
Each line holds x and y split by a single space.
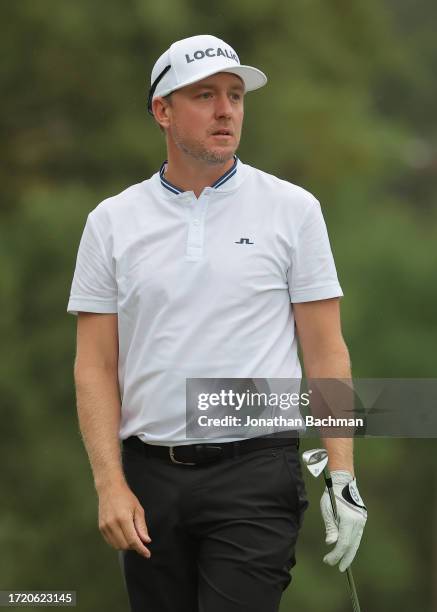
352 516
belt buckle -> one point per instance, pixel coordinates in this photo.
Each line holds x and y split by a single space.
174 460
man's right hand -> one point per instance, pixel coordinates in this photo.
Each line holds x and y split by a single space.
121 519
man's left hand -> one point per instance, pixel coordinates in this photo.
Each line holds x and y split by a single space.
352 516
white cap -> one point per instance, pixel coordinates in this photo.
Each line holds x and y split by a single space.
195 58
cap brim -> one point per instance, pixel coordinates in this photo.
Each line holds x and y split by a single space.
251 77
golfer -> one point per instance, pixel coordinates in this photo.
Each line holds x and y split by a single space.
209 269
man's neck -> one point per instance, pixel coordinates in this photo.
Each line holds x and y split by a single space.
190 174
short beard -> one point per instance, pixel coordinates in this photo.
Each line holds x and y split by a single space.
197 150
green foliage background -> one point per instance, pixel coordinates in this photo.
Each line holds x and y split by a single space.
349 113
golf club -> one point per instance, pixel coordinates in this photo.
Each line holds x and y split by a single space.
316 461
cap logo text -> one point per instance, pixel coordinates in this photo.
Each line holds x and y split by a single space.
210 52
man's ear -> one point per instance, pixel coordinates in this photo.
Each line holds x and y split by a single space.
161 108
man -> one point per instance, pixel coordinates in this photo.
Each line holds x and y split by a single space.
203 271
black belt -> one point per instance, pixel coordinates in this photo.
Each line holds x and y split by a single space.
197 454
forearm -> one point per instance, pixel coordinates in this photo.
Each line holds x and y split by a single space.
340 453
98 407
335 365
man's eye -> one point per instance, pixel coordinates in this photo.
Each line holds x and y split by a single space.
205 95
236 97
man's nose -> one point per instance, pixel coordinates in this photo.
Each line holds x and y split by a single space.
223 107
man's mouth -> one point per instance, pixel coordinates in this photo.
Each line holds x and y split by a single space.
222 132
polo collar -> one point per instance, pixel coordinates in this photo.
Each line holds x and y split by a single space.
218 183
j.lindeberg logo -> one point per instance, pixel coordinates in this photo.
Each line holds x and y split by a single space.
210 52
244 241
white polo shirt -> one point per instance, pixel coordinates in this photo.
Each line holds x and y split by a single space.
203 288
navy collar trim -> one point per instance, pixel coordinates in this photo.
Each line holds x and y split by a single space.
218 183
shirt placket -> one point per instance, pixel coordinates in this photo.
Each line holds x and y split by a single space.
196 225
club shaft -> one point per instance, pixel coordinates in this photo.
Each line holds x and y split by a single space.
350 579
352 591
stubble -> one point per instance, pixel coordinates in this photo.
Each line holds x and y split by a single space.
197 149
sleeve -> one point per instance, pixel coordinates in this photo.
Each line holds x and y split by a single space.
312 274
94 287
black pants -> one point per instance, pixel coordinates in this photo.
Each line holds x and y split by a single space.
223 534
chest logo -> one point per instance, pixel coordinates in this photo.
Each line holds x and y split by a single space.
243 241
